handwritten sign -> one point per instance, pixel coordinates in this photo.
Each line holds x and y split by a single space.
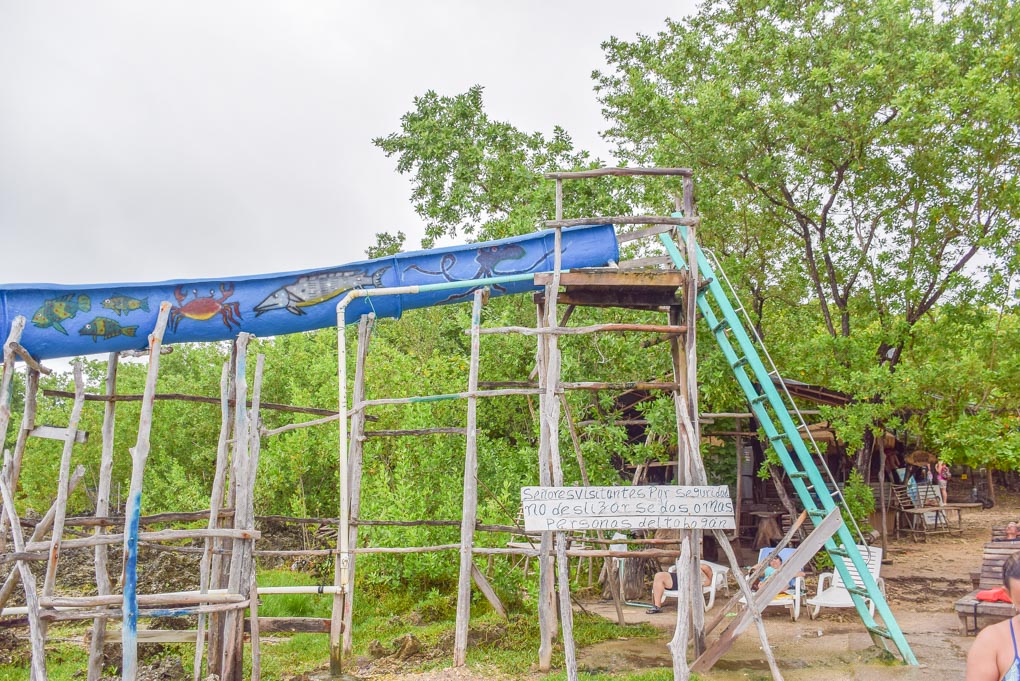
627 508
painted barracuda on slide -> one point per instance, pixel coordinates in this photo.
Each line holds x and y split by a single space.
273 304
313 289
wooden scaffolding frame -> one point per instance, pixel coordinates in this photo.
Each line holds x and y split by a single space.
227 563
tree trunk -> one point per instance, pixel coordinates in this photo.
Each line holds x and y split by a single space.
864 456
776 474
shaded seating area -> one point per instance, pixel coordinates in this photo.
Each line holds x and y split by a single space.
975 614
920 512
833 591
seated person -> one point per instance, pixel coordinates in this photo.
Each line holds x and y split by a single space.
1012 532
774 564
994 654
667 581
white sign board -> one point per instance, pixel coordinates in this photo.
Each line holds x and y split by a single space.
627 508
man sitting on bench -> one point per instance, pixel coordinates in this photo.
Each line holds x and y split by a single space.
1012 532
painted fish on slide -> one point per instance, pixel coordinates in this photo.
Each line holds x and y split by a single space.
313 289
56 310
126 304
106 328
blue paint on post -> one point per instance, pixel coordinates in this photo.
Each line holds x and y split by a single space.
129 635
177 612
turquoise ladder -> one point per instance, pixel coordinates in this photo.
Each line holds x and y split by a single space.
773 415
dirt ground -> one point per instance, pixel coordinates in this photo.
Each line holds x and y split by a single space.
923 581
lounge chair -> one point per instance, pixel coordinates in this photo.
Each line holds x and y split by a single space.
832 592
789 598
720 573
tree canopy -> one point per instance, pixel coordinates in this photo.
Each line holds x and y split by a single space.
868 151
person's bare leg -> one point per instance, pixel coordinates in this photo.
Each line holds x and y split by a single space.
662 582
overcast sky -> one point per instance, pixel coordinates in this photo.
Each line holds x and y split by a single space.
142 141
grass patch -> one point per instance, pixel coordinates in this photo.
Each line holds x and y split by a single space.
505 646
292 605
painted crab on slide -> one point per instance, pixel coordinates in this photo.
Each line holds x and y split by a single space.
202 308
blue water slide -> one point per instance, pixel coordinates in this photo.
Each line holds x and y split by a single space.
65 321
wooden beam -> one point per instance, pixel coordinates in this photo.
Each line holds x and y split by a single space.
638 299
670 279
490 595
618 172
55 433
769 590
27 357
194 398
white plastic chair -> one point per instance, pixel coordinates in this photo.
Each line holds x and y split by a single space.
832 591
720 574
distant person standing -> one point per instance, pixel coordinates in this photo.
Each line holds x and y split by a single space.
942 476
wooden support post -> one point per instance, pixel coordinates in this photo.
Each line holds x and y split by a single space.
6 382
490 595
27 424
219 572
678 644
103 586
546 607
139 455
811 545
64 476
245 466
341 563
738 442
215 504
754 612
550 410
691 355
256 644
37 635
607 562
469 503
356 452
690 471
17 326
882 500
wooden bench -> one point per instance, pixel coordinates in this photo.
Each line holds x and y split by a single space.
969 609
998 535
925 514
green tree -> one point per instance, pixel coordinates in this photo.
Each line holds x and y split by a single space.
474 176
882 135
876 141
